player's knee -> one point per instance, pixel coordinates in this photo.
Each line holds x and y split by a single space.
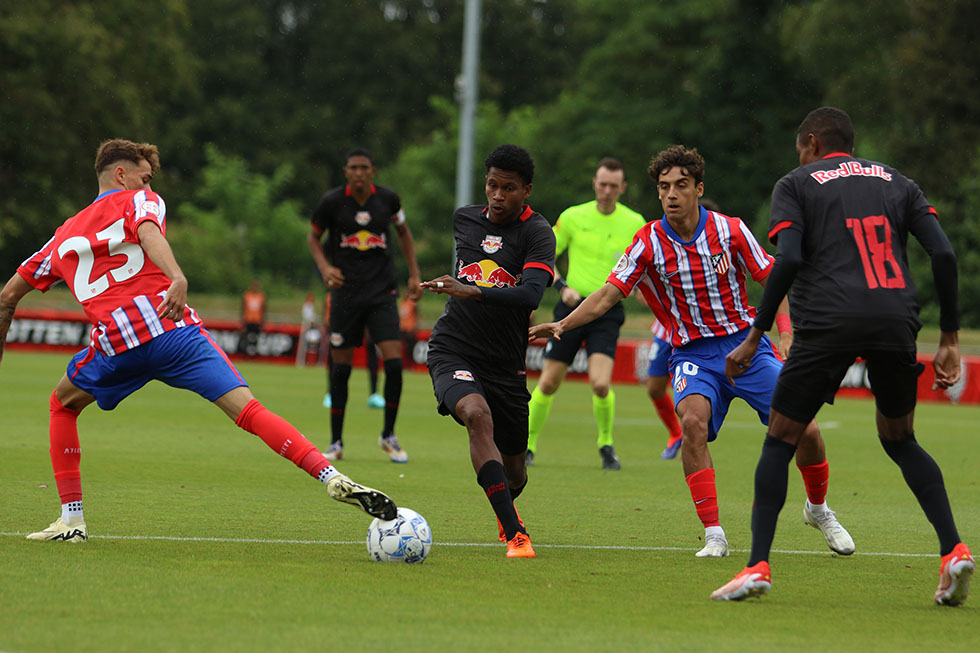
694 428
601 388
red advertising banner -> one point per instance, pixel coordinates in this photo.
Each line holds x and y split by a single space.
290 343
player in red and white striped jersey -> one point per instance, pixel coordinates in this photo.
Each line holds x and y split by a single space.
692 267
115 258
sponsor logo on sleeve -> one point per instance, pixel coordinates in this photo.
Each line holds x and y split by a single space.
463 375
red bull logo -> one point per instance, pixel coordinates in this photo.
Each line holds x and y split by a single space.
364 240
487 273
491 244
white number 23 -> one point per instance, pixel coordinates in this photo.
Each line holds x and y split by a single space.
84 286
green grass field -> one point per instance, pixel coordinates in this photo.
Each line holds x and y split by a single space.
203 539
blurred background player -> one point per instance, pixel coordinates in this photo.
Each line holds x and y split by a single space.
357 265
115 258
506 259
408 323
691 266
841 225
374 399
595 234
658 376
253 316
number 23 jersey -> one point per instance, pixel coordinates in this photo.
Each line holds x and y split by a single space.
855 217
98 255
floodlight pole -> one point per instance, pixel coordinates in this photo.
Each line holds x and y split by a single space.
468 86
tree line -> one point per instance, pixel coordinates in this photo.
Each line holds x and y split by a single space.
254 104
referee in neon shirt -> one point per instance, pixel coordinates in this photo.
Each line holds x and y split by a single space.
595 235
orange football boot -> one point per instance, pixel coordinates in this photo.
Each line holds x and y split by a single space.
520 547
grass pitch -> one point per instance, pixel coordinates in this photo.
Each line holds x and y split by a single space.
203 539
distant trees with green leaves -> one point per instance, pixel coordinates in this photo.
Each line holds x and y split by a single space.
253 105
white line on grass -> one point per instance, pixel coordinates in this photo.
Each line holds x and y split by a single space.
592 547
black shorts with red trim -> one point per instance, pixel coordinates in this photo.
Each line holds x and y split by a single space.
599 336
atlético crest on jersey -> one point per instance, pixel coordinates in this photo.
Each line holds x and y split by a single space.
362 218
491 244
720 262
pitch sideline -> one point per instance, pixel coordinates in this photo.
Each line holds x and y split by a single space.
591 547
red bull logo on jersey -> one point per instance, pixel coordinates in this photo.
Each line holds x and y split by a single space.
850 169
491 244
364 240
487 273
463 375
362 218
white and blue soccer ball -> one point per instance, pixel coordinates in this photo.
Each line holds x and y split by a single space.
406 538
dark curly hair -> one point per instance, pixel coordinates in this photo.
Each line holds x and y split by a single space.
512 158
678 156
832 126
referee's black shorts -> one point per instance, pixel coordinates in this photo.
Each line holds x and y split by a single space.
599 335
348 321
812 375
453 378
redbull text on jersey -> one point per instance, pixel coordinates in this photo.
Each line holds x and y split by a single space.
850 169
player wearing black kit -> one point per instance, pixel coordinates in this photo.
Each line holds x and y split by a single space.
841 225
506 260
356 263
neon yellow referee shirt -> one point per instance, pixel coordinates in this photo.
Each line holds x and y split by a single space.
594 242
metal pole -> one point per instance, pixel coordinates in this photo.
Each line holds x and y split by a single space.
468 87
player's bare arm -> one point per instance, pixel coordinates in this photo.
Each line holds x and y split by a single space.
10 296
739 359
158 249
407 245
332 276
593 306
449 285
946 363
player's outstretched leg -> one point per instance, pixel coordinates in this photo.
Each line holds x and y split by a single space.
954 576
751 581
283 438
66 454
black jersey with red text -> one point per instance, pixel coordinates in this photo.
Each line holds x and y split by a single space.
855 216
493 338
359 240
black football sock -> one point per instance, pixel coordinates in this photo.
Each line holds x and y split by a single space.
925 479
393 393
372 365
771 477
493 480
339 376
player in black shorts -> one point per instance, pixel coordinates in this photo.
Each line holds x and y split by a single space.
841 224
505 260
357 265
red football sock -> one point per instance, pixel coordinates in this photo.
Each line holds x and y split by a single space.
66 454
665 408
815 479
282 437
705 497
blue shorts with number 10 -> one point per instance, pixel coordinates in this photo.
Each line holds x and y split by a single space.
699 369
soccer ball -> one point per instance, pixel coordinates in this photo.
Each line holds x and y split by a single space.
406 538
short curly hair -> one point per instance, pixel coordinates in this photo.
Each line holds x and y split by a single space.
119 149
512 158
678 156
